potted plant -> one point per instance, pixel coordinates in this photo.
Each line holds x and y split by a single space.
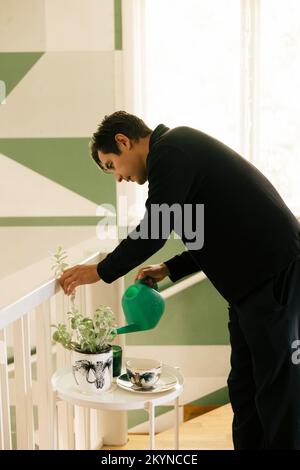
88 337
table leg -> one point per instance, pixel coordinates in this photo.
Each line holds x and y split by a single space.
176 410
55 423
151 410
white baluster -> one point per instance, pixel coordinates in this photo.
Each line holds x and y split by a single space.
28 377
5 425
65 411
82 415
96 438
82 428
81 300
23 384
44 360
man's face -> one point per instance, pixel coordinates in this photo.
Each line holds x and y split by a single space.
130 164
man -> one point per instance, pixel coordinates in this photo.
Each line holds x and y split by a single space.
251 253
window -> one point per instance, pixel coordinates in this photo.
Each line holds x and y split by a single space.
192 65
279 107
198 56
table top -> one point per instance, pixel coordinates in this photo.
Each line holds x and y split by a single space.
115 398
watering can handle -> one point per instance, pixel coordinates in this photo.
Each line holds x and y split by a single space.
155 286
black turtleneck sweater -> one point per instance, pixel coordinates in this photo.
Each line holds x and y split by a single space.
249 232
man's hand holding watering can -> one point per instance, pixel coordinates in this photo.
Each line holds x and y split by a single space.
156 273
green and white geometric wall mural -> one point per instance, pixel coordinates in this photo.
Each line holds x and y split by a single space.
57 61
15 65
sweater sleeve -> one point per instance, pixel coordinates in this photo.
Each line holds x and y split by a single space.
166 186
181 265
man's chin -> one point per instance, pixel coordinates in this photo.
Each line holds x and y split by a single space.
141 181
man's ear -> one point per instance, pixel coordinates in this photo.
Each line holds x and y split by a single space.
122 139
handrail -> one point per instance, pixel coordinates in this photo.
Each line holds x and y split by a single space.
29 301
182 285
16 307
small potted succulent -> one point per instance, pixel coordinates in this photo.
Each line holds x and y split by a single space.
88 337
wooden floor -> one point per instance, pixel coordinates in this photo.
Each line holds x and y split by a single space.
210 431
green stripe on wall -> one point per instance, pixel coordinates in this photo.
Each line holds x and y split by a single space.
65 161
15 65
218 398
118 25
47 221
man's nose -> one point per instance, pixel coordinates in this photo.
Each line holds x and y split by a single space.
119 178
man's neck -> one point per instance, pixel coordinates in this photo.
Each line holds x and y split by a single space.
144 142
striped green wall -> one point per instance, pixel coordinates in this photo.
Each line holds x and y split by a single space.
59 77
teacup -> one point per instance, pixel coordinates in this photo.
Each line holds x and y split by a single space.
143 373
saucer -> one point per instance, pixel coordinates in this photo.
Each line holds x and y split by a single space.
165 382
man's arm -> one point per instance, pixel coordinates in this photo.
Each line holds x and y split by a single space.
126 256
181 265
169 183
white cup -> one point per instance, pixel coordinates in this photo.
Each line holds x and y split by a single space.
143 373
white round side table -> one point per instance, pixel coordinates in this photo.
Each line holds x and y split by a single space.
118 399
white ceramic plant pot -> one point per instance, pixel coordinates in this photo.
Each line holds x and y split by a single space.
93 372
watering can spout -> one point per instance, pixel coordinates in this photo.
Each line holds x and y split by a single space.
127 329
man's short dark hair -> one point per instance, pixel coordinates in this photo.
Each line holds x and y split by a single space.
119 122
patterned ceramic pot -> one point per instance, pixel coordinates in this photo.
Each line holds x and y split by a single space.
93 372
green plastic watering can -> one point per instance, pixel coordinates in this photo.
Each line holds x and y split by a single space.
143 307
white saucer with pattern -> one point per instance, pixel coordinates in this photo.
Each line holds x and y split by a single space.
164 383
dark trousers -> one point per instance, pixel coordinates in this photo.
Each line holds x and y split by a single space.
264 382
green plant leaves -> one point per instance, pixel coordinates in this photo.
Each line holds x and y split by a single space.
91 334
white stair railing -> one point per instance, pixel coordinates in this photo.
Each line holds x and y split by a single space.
26 397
